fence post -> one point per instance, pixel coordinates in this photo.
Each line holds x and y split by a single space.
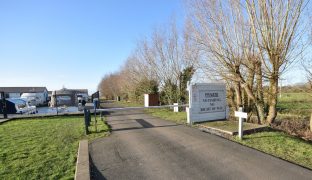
86 120
176 109
4 105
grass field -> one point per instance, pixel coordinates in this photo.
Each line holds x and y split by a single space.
281 145
43 148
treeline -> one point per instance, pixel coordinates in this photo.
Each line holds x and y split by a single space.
246 44
160 64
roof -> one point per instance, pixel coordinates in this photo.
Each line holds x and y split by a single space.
70 91
22 89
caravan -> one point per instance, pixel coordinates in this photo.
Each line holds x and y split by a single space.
19 106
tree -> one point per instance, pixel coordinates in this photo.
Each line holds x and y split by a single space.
274 27
222 33
247 43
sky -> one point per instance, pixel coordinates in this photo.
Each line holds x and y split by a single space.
73 43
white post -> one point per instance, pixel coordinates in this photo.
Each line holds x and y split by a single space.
240 114
176 108
188 109
146 100
240 124
188 116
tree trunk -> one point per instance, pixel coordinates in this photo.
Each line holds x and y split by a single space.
238 94
260 113
272 99
250 82
311 123
260 99
231 99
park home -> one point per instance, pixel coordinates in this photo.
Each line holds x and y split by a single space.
36 95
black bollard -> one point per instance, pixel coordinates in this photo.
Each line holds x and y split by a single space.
87 120
4 106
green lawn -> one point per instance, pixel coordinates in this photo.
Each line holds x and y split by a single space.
168 114
43 148
281 145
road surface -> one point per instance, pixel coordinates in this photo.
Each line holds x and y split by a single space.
145 147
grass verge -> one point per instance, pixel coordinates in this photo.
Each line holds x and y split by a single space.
42 148
168 114
280 145
231 126
128 104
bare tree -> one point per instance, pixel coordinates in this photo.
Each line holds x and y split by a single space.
274 26
223 34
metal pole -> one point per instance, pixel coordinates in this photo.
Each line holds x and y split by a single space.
56 103
95 122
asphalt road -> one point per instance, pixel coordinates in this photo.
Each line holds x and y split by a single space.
145 147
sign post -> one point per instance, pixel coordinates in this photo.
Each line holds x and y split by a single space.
240 114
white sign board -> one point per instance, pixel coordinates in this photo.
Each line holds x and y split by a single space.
207 102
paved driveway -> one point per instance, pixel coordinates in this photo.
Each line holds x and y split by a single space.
145 147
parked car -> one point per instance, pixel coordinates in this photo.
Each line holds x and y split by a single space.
20 106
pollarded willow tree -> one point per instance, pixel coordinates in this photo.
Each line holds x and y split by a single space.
247 42
275 30
223 34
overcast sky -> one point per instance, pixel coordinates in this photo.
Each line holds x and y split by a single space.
74 43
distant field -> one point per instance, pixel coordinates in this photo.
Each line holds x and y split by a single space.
44 148
299 104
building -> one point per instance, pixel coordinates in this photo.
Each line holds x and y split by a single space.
67 97
16 92
36 95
